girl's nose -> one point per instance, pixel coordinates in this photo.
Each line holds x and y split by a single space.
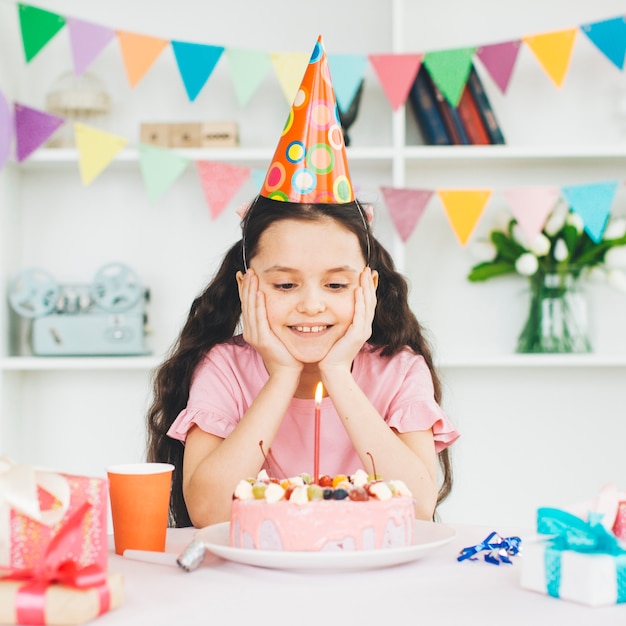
311 302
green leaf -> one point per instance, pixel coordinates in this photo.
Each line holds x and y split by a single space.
490 269
507 248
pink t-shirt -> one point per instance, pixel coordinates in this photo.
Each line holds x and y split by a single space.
231 375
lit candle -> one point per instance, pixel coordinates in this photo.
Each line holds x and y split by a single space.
319 392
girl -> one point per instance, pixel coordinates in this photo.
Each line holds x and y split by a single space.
319 299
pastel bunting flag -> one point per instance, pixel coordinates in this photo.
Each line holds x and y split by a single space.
220 183
96 149
87 41
499 60
405 207
289 68
396 73
248 68
553 51
347 71
531 207
258 178
32 129
609 36
196 63
592 203
37 27
463 208
449 70
160 168
139 52
6 130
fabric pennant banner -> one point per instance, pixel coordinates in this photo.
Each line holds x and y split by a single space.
347 71
609 36
396 73
593 204
196 63
463 208
38 27
248 68
160 168
139 52
405 207
531 207
553 51
220 183
6 130
258 178
32 129
87 41
289 69
449 70
499 60
96 149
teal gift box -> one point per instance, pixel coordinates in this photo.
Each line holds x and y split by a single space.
576 560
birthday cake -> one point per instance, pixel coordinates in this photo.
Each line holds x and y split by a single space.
341 513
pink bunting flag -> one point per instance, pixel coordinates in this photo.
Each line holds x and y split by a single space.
499 61
396 73
220 183
531 207
87 41
405 207
32 129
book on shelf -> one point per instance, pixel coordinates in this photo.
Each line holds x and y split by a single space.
484 106
472 119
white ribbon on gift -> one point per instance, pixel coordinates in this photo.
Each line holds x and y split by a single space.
18 491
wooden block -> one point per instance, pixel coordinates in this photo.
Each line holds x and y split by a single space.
154 134
185 135
219 134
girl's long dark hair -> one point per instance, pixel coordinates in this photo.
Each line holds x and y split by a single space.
214 317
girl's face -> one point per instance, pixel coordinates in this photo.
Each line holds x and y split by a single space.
308 272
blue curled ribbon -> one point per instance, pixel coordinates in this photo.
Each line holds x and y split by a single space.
569 532
498 549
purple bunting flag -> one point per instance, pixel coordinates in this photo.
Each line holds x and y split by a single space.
87 41
32 129
6 129
405 207
499 60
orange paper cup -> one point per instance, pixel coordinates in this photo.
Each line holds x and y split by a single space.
140 497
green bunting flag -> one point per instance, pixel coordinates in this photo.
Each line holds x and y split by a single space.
449 70
160 169
38 28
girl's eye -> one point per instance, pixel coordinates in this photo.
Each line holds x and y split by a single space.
337 286
284 286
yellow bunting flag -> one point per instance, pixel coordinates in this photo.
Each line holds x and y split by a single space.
289 69
463 208
96 149
139 52
553 51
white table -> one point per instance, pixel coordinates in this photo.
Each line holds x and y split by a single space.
433 590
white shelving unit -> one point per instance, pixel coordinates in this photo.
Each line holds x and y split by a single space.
82 414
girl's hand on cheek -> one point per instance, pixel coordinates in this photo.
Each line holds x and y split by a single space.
256 327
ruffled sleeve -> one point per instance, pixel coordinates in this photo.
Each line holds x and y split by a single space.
208 421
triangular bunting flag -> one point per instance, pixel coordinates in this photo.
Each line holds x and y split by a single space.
258 178
347 72
96 149
87 41
405 207
289 69
553 51
248 68
593 204
499 61
160 168
6 128
463 208
531 207
32 129
220 183
196 63
449 70
139 52
609 36
38 27
396 73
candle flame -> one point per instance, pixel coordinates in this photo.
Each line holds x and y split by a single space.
319 393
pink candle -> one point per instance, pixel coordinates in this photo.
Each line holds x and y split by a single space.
319 392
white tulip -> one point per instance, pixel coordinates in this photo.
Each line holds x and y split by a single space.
526 264
617 279
483 251
615 229
556 221
560 250
573 219
541 245
519 236
615 258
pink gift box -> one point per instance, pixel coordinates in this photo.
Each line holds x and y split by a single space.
619 526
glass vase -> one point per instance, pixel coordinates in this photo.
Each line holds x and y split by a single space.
557 317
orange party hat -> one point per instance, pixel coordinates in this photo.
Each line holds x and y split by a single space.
310 163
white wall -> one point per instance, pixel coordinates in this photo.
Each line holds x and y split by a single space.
530 436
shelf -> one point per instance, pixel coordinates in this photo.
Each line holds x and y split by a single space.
33 363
